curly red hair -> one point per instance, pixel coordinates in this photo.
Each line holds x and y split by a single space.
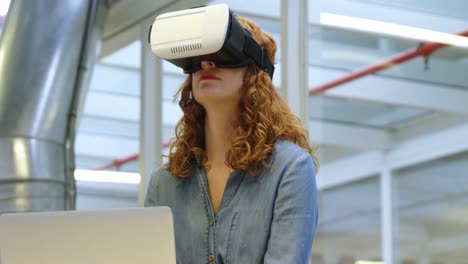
264 117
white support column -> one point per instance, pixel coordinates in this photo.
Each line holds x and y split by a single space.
388 232
294 56
150 112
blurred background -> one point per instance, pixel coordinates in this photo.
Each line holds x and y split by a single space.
384 102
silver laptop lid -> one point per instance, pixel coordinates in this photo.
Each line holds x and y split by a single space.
117 236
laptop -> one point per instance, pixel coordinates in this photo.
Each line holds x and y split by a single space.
113 236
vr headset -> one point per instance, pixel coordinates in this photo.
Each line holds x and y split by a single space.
186 38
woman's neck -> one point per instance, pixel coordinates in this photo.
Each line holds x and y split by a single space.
219 126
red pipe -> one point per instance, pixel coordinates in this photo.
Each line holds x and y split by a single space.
117 163
425 50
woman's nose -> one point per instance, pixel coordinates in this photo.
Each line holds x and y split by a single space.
206 65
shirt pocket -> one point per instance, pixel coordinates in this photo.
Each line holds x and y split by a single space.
248 236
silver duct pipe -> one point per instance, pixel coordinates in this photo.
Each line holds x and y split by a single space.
47 51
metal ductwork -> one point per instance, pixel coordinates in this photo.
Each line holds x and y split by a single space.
47 52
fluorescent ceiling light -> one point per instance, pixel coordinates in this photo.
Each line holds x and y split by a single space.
4 4
368 262
393 30
107 176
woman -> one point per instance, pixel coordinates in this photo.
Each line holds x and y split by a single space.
240 178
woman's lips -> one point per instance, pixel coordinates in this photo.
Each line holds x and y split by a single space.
208 76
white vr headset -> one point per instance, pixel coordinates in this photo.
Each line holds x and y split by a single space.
186 38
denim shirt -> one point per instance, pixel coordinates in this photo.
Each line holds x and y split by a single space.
269 218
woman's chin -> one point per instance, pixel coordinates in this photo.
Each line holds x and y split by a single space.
215 99
211 93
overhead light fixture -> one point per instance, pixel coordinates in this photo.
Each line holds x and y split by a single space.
4 4
107 176
392 30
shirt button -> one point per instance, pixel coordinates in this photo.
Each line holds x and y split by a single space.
211 222
211 258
